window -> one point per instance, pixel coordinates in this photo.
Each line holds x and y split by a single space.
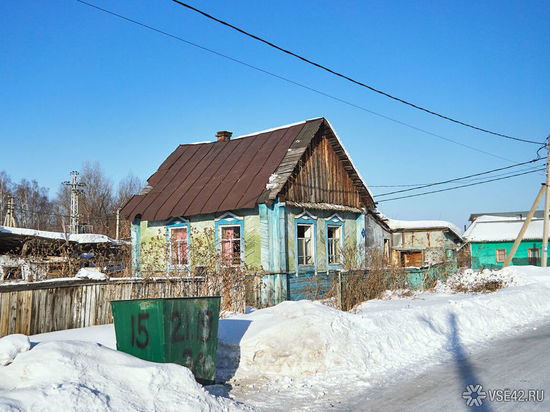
178 246
305 244
334 242
411 259
534 256
231 245
387 249
500 255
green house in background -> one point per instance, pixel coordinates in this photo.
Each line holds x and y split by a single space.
489 239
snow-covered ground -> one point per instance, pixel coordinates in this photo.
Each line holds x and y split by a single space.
309 349
304 355
60 375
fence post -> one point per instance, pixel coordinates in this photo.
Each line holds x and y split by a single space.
339 290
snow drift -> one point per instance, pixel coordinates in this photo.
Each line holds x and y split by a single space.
75 375
11 346
296 339
297 347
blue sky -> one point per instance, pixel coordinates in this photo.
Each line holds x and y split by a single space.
78 84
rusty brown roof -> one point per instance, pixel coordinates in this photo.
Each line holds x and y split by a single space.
221 176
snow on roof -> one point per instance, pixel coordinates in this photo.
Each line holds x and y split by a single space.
78 238
286 126
422 224
502 229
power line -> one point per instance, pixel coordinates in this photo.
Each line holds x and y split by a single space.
526 169
241 62
509 173
461 186
423 184
343 76
411 185
86 217
459 178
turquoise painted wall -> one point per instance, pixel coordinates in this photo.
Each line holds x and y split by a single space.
269 238
353 225
484 254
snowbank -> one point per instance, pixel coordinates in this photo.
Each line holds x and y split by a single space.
102 334
382 337
472 280
73 375
91 273
11 346
295 347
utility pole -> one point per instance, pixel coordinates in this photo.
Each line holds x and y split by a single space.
9 219
515 246
117 221
546 207
75 193
544 190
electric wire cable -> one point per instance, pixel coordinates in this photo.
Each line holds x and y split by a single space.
459 178
285 79
343 76
458 187
415 185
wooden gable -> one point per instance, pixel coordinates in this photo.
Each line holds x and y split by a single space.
304 163
323 177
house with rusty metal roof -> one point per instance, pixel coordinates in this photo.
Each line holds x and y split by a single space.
288 200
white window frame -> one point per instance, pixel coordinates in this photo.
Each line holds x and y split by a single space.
337 244
497 255
307 248
232 241
178 265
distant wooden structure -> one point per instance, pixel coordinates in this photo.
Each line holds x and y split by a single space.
33 255
424 242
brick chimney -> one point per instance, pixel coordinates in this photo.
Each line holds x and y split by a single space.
224 136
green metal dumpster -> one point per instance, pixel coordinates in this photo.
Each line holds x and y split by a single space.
178 330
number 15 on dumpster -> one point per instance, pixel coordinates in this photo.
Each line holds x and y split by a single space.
140 335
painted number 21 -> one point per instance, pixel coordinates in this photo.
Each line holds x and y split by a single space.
181 327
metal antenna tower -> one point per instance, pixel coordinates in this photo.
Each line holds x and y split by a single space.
75 193
9 219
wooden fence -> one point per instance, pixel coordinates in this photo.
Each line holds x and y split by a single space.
41 307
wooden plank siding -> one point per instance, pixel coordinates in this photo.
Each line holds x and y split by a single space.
42 307
321 177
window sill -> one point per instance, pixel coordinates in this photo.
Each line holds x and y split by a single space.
181 268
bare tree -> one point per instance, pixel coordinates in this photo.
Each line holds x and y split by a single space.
5 192
128 187
97 205
62 208
33 209
98 201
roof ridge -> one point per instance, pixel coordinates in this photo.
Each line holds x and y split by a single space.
286 126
